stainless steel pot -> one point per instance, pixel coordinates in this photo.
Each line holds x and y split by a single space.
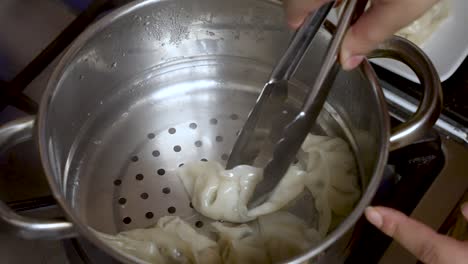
155 84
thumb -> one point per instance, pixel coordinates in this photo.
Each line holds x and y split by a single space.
380 21
417 238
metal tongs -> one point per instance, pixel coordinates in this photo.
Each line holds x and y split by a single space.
276 90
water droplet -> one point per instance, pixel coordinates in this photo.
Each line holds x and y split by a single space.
114 65
81 77
125 114
147 23
97 142
100 102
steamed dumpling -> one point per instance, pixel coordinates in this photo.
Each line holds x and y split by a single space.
273 238
171 240
141 249
331 177
240 244
326 167
218 193
287 190
286 235
224 194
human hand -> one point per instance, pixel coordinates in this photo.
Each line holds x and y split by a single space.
380 21
423 242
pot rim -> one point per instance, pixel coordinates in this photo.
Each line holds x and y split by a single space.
47 158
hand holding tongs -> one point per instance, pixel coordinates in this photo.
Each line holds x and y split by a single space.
295 132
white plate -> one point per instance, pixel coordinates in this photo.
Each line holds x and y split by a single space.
447 46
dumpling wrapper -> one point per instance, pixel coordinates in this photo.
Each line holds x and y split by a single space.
276 238
273 238
287 190
286 235
218 193
240 244
171 240
224 194
331 177
326 167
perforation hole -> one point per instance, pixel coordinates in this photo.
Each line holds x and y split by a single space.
171 210
149 215
122 201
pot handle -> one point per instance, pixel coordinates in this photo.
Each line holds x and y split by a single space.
13 133
431 104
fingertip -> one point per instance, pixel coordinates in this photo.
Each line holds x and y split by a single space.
464 210
374 216
352 62
349 57
295 23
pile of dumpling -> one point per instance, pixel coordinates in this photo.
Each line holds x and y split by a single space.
264 234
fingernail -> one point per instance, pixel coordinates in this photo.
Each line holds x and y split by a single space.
464 209
374 217
352 62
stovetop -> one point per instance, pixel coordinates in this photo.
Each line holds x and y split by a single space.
455 91
408 180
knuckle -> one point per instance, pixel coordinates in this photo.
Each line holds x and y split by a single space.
390 228
427 253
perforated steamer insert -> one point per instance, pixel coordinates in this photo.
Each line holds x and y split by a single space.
122 168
